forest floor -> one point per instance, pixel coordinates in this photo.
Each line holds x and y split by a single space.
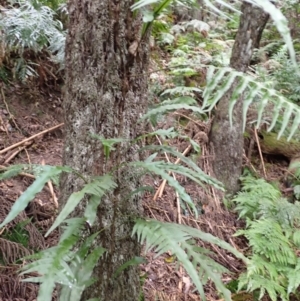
27 111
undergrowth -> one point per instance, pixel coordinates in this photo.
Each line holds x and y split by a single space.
272 223
273 232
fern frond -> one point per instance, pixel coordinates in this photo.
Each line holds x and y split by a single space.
184 102
294 278
204 177
61 265
220 80
181 90
156 168
11 171
97 187
46 173
178 239
254 194
27 26
264 285
267 239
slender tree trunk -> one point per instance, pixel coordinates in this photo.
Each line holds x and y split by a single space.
106 94
228 141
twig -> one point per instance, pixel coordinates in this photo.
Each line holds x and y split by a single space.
161 188
30 138
16 152
189 118
28 157
249 162
260 153
5 129
51 190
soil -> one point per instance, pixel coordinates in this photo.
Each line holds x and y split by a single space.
26 111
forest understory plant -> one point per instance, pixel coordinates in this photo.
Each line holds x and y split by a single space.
273 232
75 255
65 263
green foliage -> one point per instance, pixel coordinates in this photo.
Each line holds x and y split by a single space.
272 230
280 21
70 263
177 239
97 188
18 233
285 76
43 175
30 25
220 80
183 102
61 264
108 144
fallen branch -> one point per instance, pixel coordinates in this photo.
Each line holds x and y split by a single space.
16 152
30 138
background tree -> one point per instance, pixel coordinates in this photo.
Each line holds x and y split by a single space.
106 63
228 141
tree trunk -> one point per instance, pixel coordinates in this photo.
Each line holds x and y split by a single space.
106 94
228 141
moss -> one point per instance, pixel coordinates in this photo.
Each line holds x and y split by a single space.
271 145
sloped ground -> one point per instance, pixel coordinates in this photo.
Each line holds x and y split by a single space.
25 112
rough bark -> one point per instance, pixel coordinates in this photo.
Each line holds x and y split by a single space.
106 64
228 141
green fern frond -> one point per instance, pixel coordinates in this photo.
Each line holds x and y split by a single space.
254 194
267 238
221 80
165 134
204 177
181 90
27 26
296 237
61 265
46 173
11 171
261 266
97 187
272 232
163 168
294 278
156 167
184 102
264 285
178 239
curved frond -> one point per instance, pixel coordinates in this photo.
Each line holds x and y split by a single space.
178 239
220 80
